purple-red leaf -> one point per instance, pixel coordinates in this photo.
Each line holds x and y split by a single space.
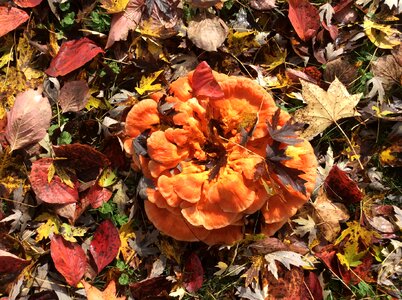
10 263
28 120
339 187
69 259
305 18
54 191
72 55
193 273
74 96
204 83
105 244
98 195
11 18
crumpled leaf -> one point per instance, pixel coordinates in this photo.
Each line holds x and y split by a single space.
108 294
325 107
287 258
305 18
204 84
328 215
105 244
69 259
55 191
146 83
193 273
207 32
11 18
28 120
383 36
74 96
73 55
125 21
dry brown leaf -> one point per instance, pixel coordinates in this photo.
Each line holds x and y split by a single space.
389 69
207 32
262 4
203 3
327 216
108 294
325 107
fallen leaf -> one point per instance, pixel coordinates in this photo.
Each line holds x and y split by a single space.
325 107
69 259
193 273
74 96
262 4
28 120
287 258
125 21
108 294
27 3
389 69
306 226
98 195
72 55
328 215
204 84
11 18
105 244
11 264
305 18
208 32
51 226
203 3
146 83
126 232
341 188
383 36
151 288
55 191
114 6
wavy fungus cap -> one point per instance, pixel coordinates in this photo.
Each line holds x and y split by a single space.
217 149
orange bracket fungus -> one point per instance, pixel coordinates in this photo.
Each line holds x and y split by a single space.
215 150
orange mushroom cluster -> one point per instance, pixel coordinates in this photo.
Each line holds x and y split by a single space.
216 149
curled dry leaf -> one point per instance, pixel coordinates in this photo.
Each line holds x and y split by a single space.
328 215
325 107
105 244
28 120
69 259
53 191
72 55
74 96
11 18
207 32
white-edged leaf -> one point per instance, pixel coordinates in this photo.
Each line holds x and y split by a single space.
287 258
28 120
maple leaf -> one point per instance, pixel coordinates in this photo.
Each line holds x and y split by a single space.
114 6
306 226
146 83
285 134
108 294
396 3
287 258
325 107
126 232
51 226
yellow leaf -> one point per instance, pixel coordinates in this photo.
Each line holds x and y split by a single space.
126 232
64 176
69 232
6 58
114 6
383 36
240 41
52 225
25 53
107 178
50 173
146 83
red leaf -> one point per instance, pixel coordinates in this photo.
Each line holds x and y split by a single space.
193 273
27 3
339 187
313 286
105 244
305 18
69 259
72 55
11 18
28 120
98 195
204 83
74 96
125 21
54 191
10 263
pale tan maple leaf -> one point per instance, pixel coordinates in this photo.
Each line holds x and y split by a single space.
325 108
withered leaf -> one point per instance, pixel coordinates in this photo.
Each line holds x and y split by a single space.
74 96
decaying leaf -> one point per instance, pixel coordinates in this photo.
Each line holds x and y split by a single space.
328 215
383 36
105 244
28 120
194 273
325 107
108 294
74 95
389 69
69 259
208 32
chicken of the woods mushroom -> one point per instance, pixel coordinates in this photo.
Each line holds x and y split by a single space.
214 150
